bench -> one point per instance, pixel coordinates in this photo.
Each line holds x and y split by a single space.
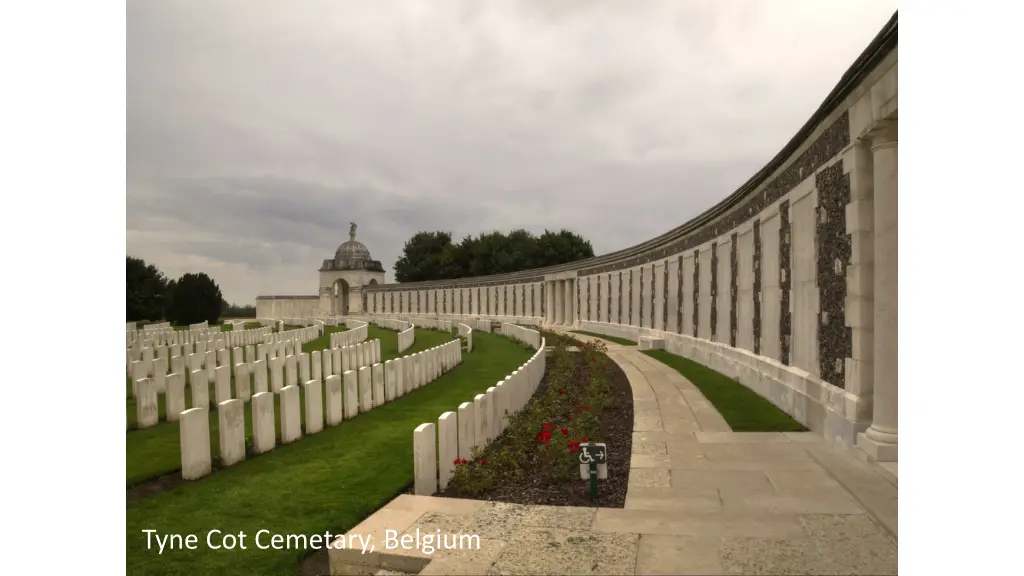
651 343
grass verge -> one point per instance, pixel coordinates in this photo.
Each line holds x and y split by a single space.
615 339
327 482
155 451
743 409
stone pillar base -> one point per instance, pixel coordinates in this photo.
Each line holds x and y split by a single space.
876 450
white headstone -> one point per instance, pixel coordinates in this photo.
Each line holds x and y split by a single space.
313 392
231 430
327 364
447 446
365 389
276 375
160 374
389 380
333 400
378 385
200 389
304 374
242 385
351 394
467 423
399 377
291 370
222 383
481 413
174 401
146 409
424 446
194 437
492 413
259 373
291 419
211 364
263 432
316 364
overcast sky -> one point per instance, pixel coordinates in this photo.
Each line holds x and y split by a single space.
257 130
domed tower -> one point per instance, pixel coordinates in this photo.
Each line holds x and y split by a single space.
342 278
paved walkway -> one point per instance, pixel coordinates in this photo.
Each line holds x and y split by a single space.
701 500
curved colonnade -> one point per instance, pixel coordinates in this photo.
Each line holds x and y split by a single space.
789 284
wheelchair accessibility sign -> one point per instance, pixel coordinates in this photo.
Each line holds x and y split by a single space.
593 454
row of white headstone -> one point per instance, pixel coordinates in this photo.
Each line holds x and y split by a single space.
525 335
463 434
310 321
287 367
168 336
281 342
431 322
406 331
344 396
358 331
478 321
165 334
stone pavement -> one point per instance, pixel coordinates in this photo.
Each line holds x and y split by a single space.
701 500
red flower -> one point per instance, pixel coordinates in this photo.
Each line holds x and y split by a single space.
464 461
483 462
457 461
580 412
570 417
583 439
547 425
586 406
561 392
565 431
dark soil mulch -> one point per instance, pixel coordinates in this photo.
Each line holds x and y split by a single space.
531 488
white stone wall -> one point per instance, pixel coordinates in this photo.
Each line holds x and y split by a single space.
283 307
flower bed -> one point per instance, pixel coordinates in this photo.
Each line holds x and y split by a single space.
584 397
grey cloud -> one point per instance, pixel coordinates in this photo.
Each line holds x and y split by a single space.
256 135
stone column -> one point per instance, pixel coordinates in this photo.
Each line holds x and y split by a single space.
559 300
549 302
880 440
570 302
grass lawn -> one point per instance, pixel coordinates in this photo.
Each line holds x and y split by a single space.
615 339
328 482
155 451
743 409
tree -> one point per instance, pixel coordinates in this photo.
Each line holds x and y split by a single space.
432 256
147 291
237 310
195 298
423 257
562 247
